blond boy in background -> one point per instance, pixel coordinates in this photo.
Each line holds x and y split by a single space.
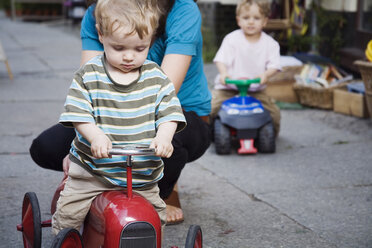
248 53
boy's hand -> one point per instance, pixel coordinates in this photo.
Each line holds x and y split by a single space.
66 165
263 79
163 147
223 78
222 69
163 140
266 75
100 146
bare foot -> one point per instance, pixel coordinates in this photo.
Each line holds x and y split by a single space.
174 210
174 215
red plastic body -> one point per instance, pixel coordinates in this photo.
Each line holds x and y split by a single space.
113 210
109 213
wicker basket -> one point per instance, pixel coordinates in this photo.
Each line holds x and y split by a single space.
365 69
316 97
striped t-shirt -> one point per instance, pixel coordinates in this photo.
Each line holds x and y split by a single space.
127 114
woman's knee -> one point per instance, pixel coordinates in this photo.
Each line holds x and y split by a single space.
38 152
51 146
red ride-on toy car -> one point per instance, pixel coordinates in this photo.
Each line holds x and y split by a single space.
117 219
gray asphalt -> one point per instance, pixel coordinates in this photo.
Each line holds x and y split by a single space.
315 191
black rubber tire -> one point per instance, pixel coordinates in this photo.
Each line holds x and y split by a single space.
68 238
222 138
194 237
30 205
266 139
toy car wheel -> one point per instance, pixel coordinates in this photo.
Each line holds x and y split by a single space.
31 221
68 238
222 138
194 237
266 139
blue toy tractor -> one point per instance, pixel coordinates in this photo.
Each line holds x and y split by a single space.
242 118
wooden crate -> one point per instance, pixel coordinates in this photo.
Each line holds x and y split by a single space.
365 69
280 85
349 103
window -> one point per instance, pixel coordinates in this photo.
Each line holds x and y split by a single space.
365 16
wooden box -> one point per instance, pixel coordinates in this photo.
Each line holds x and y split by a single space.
349 103
280 85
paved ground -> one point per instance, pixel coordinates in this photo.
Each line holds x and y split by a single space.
315 191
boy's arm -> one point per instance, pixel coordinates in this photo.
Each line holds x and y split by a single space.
163 140
222 69
100 143
267 74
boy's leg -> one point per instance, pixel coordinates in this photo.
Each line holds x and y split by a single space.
218 97
75 200
269 104
188 145
152 195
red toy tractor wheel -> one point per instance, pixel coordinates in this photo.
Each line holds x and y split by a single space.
31 221
194 237
68 238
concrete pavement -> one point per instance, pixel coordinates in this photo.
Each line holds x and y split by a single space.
315 191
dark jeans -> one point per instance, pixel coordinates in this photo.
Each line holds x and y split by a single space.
52 145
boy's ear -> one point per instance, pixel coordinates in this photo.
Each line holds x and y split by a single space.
265 21
237 20
99 33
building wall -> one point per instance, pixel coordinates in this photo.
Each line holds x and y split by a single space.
337 5
218 19
333 5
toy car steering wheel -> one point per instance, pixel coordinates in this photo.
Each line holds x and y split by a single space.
242 84
133 149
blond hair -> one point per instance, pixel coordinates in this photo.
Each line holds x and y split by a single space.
137 15
263 5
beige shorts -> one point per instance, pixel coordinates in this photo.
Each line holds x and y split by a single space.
80 190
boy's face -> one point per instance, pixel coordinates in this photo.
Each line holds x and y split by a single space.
251 21
125 52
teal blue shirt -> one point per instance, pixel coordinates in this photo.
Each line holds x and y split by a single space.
182 36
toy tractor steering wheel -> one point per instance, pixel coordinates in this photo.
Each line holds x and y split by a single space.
133 150
242 84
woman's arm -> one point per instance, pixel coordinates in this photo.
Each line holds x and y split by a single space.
176 67
86 55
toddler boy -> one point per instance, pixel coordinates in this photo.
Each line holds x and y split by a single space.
115 99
